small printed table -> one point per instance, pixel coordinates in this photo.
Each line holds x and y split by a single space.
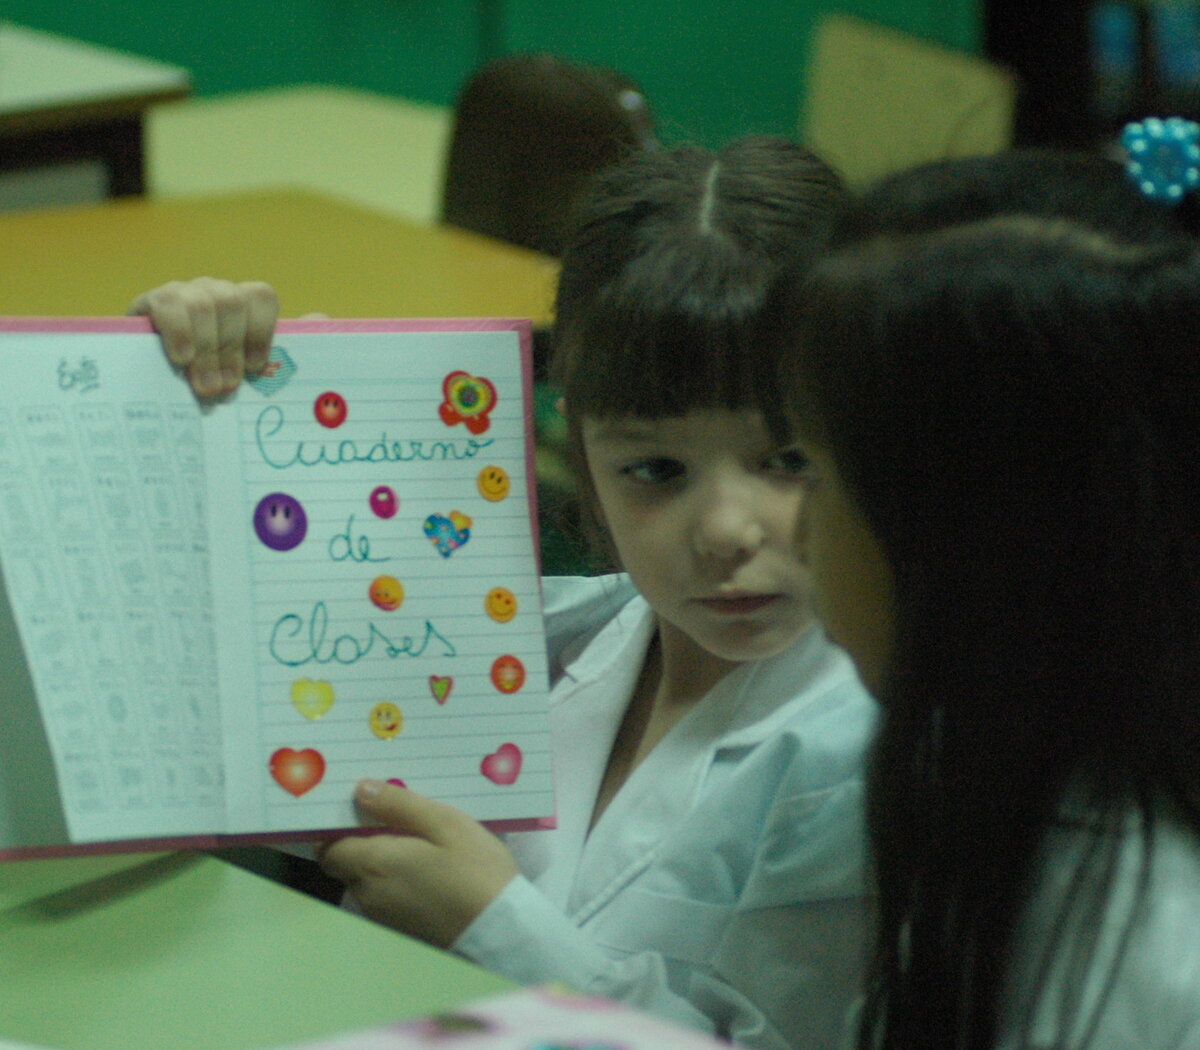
71 117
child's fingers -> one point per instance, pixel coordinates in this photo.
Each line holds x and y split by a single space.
225 362
214 330
243 317
408 813
262 311
229 310
170 309
432 876
356 859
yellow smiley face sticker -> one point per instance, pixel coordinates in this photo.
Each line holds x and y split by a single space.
500 604
493 483
385 720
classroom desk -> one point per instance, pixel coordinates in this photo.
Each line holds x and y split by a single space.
179 950
71 116
319 253
377 150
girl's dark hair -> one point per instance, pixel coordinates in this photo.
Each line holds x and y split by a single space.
665 272
1002 357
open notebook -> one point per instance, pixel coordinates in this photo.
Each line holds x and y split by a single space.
214 621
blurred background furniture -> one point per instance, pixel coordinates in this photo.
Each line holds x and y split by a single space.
528 132
377 150
71 118
319 253
879 101
711 69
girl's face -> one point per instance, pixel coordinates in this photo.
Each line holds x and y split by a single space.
702 510
853 589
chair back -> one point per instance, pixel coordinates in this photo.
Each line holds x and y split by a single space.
529 130
880 101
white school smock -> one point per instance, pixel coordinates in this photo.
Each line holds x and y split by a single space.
1153 1001
725 884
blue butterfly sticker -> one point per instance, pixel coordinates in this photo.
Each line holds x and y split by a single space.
276 373
448 534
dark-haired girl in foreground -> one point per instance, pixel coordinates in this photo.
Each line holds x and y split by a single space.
996 378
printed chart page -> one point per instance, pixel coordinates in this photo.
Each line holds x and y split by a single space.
374 576
110 664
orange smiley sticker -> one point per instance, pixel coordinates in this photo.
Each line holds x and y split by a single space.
508 673
387 592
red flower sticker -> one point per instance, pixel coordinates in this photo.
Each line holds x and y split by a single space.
468 400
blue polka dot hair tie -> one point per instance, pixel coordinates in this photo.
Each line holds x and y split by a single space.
1163 157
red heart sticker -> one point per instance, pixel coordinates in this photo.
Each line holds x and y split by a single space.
297 771
504 766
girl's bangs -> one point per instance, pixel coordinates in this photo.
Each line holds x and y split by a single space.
661 367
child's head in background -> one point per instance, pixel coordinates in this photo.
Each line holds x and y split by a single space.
995 372
667 267
655 354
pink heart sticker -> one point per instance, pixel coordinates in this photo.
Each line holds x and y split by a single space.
297 771
440 687
503 766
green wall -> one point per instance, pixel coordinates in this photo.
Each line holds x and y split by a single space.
711 69
714 69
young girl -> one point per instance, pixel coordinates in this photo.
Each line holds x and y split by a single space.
995 378
709 859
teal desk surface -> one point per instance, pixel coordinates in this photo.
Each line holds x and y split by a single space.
176 951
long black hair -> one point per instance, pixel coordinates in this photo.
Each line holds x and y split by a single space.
1003 357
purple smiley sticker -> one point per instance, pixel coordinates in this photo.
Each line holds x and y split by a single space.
280 521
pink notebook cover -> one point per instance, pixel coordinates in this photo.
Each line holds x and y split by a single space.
531 1019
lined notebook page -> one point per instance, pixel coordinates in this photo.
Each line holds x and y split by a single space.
377 596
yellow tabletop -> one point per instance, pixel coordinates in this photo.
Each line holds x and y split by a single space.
184 951
318 252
